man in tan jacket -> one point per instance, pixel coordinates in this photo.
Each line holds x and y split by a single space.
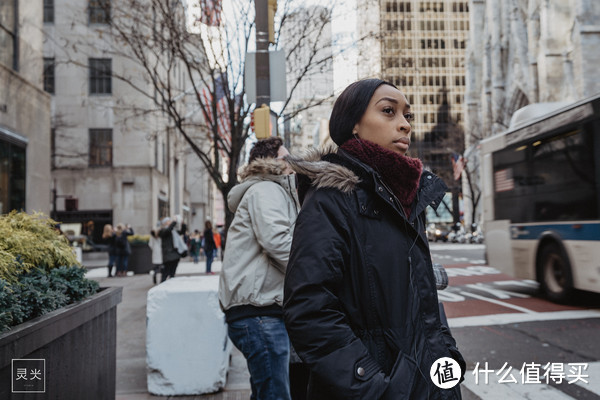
265 204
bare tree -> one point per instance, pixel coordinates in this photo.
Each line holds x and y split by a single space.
472 168
189 65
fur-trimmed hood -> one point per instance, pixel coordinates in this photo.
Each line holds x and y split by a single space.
322 173
261 166
261 169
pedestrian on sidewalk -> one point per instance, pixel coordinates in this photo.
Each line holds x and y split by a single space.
155 244
195 245
209 245
122 248
108 235
170 254
265 204
361 306
217 239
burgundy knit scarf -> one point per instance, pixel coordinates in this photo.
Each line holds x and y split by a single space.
400 173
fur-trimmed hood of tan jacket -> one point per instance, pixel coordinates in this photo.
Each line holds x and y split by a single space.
266 206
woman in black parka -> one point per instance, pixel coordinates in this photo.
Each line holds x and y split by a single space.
360 301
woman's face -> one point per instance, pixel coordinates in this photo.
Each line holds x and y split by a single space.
386 121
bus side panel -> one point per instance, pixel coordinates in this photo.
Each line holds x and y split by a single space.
499 251
584 256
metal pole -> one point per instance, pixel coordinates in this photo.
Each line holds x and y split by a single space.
263 87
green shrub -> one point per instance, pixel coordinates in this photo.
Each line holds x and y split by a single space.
39 272
138 239
28 241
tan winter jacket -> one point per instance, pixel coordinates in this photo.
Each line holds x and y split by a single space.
266 206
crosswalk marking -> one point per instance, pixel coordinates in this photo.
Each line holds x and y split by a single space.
502 319
502 303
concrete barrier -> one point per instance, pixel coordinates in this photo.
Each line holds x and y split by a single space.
187 347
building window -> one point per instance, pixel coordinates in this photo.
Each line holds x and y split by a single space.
163 209
100 148
49 75
8 34
12 175
49 11
100 75
99 11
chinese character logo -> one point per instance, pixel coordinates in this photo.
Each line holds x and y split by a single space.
445 373
29 376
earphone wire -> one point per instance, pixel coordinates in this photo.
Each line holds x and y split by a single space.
404 219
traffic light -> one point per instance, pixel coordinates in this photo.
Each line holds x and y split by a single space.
272 10
262 122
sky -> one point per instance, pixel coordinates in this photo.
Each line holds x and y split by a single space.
343 29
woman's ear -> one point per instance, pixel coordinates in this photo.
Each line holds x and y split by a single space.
355 130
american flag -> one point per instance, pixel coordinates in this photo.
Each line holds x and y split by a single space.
503 180
223 122
211 12
458 164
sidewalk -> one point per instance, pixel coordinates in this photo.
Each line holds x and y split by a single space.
131 336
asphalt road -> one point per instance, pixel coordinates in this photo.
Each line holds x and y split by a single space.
517 344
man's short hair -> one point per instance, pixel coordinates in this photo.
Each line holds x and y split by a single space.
266 148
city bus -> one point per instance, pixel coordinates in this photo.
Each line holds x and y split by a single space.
541 197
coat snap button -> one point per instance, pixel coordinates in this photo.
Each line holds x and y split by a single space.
380 189
360 371
428 176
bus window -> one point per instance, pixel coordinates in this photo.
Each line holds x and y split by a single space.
564 171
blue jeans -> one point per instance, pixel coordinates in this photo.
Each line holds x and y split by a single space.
210 255
122 262
266 346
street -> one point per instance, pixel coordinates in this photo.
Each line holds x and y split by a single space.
524 346
494 318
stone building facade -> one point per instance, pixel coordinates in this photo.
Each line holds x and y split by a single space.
109 165
522 52
24 110
528 51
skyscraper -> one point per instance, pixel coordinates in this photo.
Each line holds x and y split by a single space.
420 47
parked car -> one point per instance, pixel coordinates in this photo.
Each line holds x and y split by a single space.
437 232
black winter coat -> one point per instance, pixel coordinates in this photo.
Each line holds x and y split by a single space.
169 252
360 303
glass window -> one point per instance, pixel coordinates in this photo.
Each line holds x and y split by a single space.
100 76
548 179
12 177
49 75
163 209
99 11
49 11
8 34
100 148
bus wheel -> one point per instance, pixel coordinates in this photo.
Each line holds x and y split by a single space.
555 273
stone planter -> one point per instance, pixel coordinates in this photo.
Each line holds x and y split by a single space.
78 344
140 259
